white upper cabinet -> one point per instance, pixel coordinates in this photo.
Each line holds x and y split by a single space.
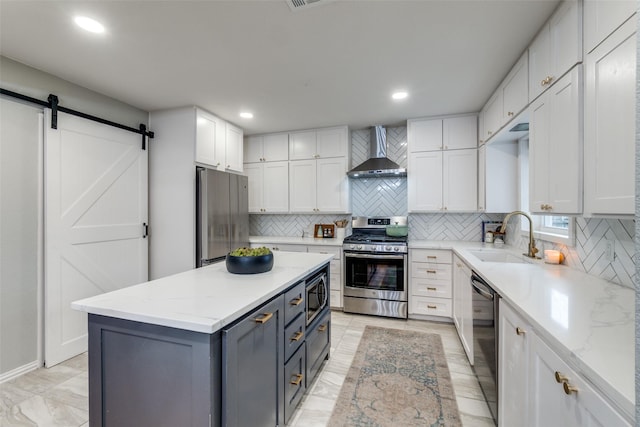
610 114
460 132
233 148
498 177
601 18
493 115
424 181
268 187
319 186
515 89
555 142
266 148
424 134
218 143
450 133
319 143
442 171
556 48
210 140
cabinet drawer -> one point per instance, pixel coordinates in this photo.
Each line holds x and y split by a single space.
431 255
294 302
326 250
430 306
431 288
294 382
286 247
294 336
318 345
425 270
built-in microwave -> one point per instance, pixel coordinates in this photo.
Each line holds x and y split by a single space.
317 295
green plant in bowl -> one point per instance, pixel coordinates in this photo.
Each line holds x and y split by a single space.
249 260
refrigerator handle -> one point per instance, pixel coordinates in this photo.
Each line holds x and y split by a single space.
201 203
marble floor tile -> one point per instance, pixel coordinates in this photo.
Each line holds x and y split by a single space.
45 412
59 396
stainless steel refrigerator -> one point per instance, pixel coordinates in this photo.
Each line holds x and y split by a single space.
222 214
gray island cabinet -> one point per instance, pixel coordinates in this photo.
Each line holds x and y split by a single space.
207 348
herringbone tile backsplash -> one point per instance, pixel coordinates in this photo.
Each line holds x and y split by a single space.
388 196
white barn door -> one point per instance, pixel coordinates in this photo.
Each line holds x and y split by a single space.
95 207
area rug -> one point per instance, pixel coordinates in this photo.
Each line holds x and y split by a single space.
397 378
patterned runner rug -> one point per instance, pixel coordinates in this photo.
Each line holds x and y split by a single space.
397 378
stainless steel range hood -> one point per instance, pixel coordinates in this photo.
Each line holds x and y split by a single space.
378 164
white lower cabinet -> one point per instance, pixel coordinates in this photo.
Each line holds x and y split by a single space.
429 283
513 366
538 388
462 305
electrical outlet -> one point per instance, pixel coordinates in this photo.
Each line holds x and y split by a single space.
610 252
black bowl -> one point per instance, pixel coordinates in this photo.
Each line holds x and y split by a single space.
249 264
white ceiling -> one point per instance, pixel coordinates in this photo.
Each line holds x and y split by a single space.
332 64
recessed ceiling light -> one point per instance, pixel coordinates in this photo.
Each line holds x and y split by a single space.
89 24
246 115
399 95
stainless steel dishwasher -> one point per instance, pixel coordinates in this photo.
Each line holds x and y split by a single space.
485 306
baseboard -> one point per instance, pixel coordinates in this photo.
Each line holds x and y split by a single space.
8 376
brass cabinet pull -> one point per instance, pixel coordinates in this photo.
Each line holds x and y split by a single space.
432 257
510 113
264 319
561 378
546 81
432 306
520 331
297 379
432 289
569 389
432 271
296 301
322 328
297 336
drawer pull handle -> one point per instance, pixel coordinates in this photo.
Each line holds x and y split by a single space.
561 378
264 319
480 311
520 331
322 328
431 271
297 379
297 336
432 306
432 289
296 301
569 389
432 257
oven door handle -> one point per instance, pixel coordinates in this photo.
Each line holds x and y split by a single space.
377 256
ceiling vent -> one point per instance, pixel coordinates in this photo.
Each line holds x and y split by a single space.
305 4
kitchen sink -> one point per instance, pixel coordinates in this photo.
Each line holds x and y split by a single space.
489 255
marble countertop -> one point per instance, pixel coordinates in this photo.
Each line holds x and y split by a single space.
204 299
295 240
587 320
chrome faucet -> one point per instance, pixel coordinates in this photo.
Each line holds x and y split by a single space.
532 244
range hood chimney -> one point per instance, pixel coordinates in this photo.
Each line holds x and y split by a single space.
378 164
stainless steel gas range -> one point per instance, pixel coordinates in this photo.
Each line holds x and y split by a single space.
375 268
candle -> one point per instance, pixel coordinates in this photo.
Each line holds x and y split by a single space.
553 257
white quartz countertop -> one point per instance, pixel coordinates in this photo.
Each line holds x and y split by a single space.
589 321
295 240
205 299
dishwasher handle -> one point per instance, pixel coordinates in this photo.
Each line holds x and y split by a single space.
481 287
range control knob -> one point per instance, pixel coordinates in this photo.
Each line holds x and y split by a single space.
388 248
359 247
397 249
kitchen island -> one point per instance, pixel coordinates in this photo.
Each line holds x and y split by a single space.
206 347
